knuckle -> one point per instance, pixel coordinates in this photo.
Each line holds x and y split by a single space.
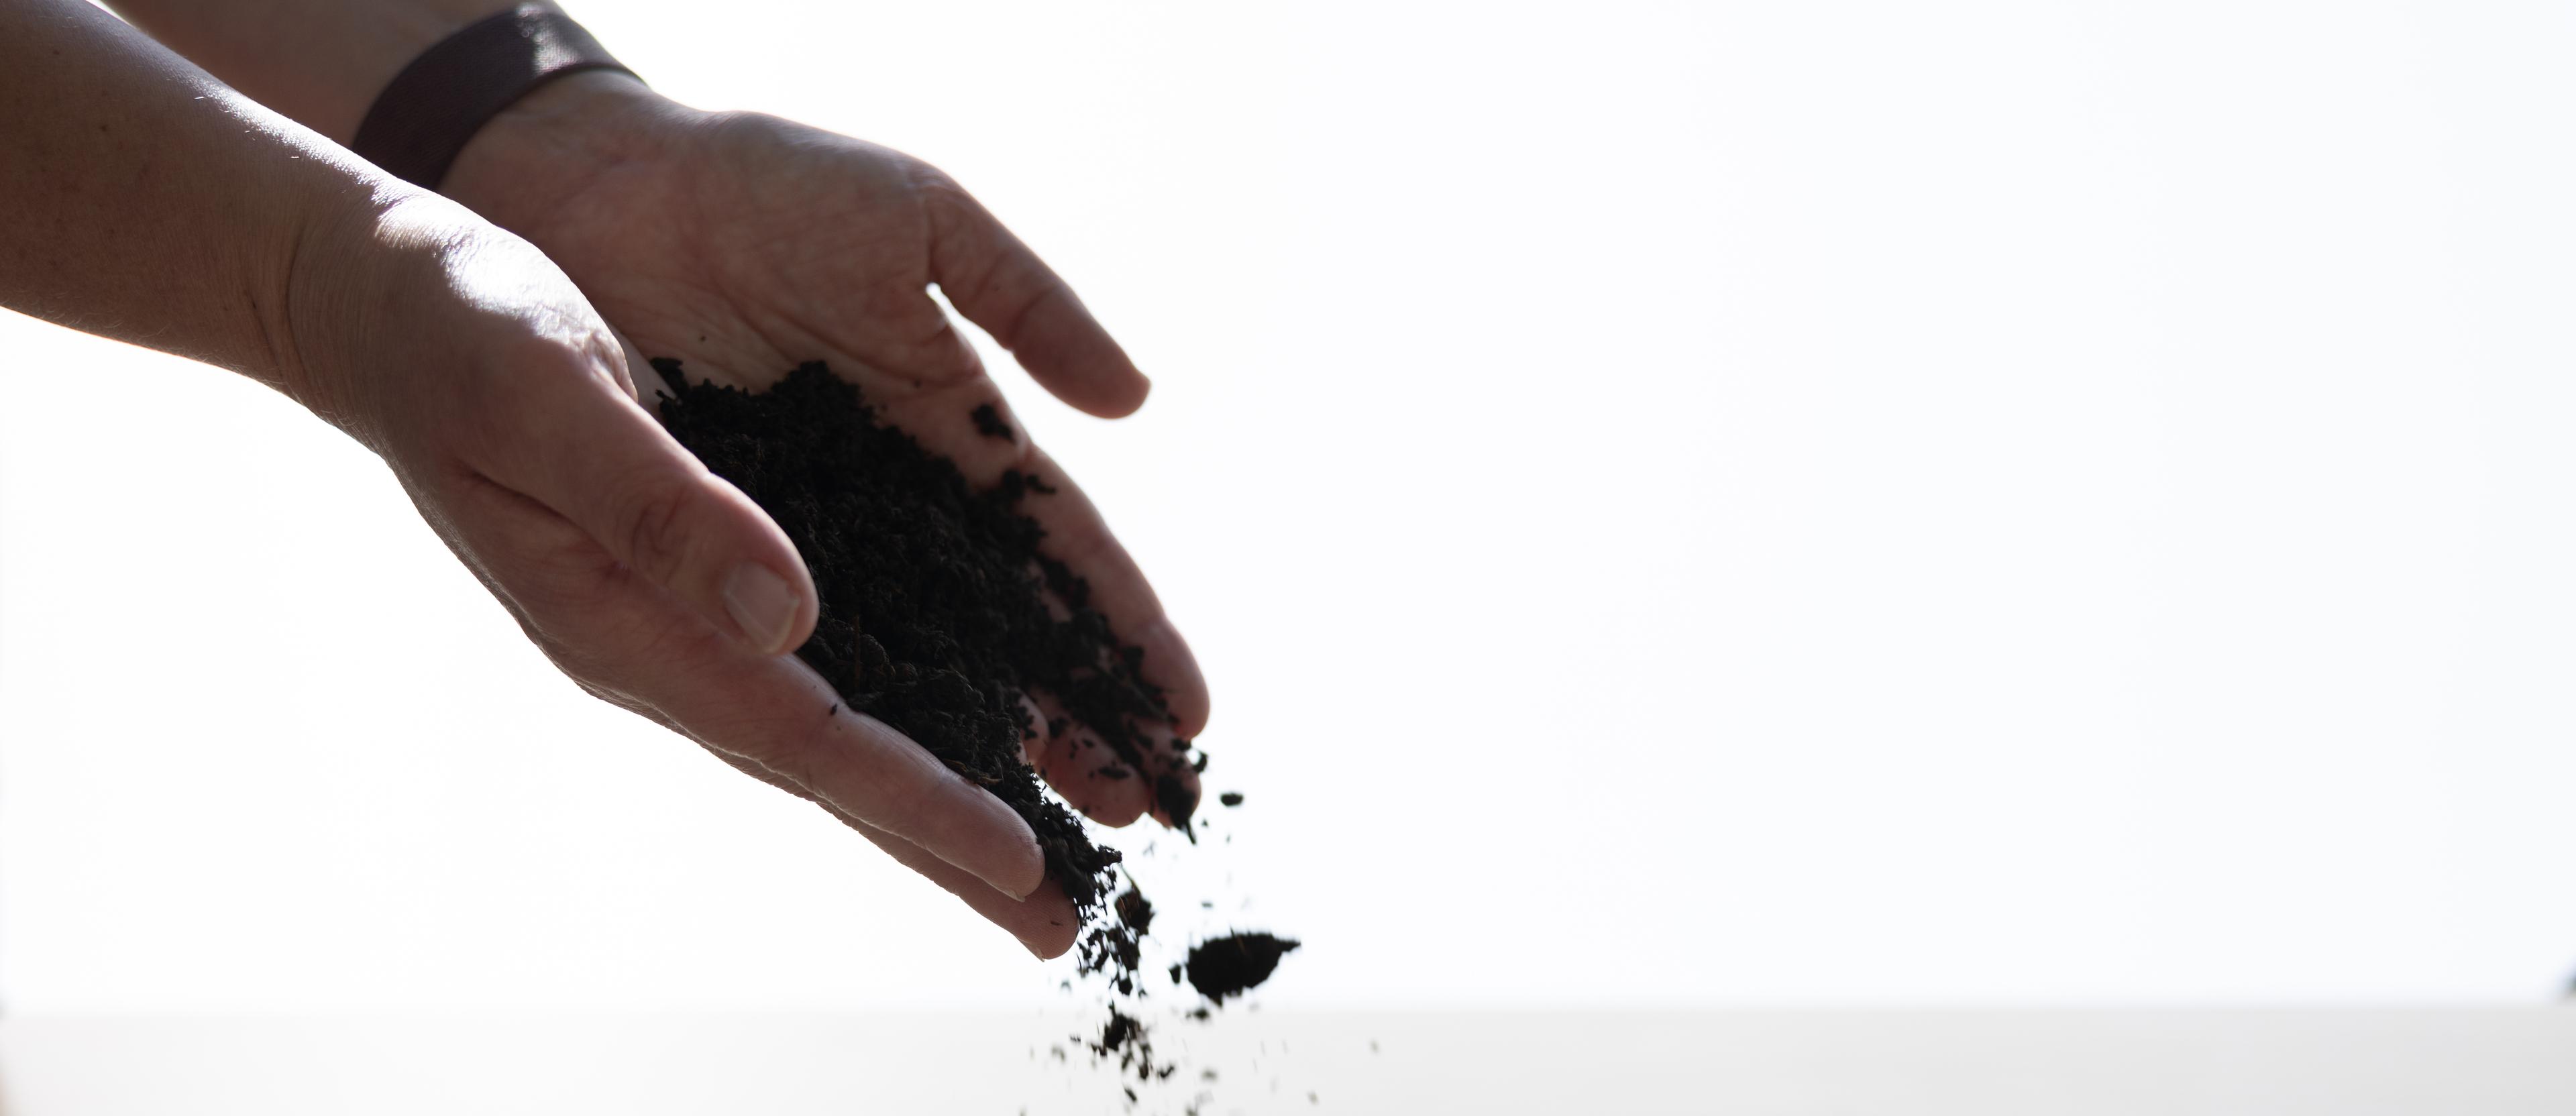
937 189
565 574
965 237
1022 298
651 528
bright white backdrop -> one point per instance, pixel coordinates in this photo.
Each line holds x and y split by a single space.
1680 503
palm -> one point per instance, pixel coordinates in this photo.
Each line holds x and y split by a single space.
745 245
743 256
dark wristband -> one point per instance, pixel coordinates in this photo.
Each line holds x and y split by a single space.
423 118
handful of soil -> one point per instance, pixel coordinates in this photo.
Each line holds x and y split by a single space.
939 614
935 612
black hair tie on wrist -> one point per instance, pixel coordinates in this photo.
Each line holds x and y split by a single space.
427 113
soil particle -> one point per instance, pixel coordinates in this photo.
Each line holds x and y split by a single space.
1135 912
988 422
1231 965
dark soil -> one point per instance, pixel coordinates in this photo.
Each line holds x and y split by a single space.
1128 1041
939 611
935 597
1233 964
988 422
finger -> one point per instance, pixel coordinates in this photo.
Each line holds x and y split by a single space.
993 279
870 771
1045 922
623 635
1076 535
1088 773
576 441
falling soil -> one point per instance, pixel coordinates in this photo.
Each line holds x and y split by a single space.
1128 1041
940 612
1232 965
1116 945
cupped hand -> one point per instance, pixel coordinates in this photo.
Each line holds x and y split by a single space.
745 245
509 412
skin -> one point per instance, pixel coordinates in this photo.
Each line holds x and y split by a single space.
150 203
743 245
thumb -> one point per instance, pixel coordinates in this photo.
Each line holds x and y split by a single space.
577 442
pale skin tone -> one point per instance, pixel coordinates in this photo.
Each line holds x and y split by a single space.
501 384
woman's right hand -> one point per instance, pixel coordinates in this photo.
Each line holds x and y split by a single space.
509 412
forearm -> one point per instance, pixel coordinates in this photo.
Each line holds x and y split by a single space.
149 203
321 62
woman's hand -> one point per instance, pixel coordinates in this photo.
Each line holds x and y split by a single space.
143 200
745 245
509 411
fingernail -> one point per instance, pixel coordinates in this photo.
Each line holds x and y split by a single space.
762 606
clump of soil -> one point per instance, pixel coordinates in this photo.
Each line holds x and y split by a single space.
1233 964
988 422
936 614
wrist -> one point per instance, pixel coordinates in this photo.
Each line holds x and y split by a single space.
364 269
409 307
540 153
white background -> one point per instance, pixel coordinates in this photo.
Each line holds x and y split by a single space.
1679 504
